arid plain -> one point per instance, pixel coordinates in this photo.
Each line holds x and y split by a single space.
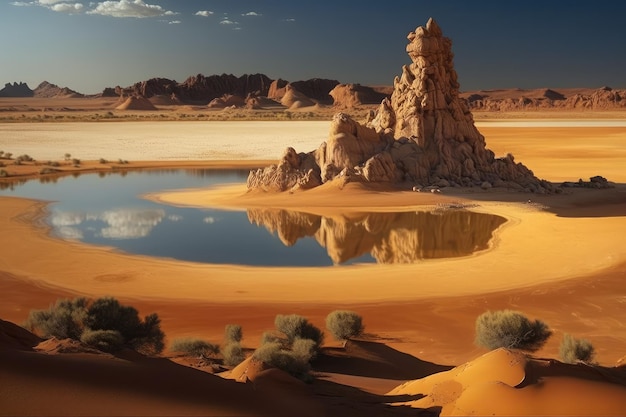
560 258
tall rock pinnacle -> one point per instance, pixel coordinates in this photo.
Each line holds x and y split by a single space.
423 135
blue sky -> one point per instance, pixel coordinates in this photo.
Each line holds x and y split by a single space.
90 45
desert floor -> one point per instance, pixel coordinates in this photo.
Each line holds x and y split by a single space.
560 258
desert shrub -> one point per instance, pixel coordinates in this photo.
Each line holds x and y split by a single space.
24 158
108 314
103 161
304 349
71 318
574 350
510 329
67 156
270 337
294 326
194 347
64 319
104 340
8 155
3 173
75 162
344 324
233 354
274 355
233 333
2 164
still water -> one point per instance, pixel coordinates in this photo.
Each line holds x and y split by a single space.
106 209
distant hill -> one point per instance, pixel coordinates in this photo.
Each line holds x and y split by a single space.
258 91
44 90
48 90
604 98
16 90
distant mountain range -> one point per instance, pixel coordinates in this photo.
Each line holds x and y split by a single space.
259 91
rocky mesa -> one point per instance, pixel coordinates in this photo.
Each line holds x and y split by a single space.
423 135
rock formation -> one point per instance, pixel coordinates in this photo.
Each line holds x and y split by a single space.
16 90
348 96
198 88
423 135
48 90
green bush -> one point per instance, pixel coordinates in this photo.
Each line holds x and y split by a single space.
233 354
104 340
510 329
233 333
344 324
574 350
194 347
294 326
64 319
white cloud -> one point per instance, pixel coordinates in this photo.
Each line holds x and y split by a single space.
129 8
204 13
251 14
67 7
228 22
209 220
54 5
174 22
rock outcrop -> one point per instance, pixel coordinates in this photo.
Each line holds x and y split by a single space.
348 96
16 90
198 88
48 90
424 134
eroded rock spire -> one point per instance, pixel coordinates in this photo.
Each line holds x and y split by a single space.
424 134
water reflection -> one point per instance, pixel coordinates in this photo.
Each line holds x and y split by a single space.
105 209
109 224
404 237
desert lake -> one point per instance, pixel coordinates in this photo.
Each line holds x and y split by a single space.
108 210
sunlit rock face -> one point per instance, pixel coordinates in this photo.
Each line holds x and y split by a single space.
423 135
405 237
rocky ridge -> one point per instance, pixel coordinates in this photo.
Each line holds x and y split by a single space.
604 98
424 134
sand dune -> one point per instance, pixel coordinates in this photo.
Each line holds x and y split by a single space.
505 382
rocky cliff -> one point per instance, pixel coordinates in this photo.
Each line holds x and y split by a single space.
424 134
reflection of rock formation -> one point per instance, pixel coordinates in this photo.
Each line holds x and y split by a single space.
121 224
404 237
424 134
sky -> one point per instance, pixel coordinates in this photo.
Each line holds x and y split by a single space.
90 45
